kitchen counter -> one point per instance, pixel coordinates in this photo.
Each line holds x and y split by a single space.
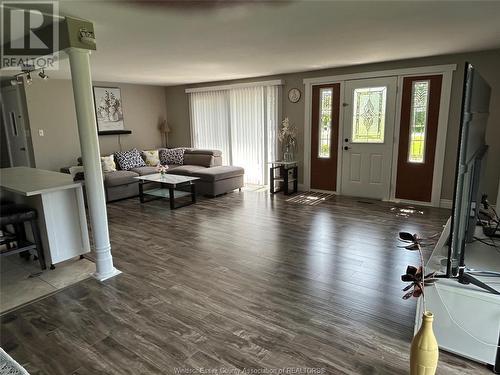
59 203
32 181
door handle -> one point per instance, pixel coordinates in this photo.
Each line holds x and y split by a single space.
346 148
23 148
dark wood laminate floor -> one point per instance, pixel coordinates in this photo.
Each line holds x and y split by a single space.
246 280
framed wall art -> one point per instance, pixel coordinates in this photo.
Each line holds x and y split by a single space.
109 111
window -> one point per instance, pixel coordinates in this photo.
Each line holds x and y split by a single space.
325 122
242 122
418 121
368 116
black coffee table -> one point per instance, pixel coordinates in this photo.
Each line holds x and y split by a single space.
171 186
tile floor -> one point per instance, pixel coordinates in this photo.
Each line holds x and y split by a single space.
22 281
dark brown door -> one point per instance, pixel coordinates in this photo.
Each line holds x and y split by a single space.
325 136
417 137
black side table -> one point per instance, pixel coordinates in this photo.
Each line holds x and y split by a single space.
288 173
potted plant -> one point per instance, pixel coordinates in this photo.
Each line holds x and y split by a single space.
424 351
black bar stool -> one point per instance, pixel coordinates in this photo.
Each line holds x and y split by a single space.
5 202
15 241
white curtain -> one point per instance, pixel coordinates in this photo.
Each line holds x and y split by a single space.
242 123
272 123
210 122
247 131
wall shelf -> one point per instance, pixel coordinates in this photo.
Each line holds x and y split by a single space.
115 132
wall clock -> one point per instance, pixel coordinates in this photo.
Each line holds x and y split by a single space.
294 95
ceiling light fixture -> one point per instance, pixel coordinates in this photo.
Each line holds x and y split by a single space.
42 75
29 80
17 80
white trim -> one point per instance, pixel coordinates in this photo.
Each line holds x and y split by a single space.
381 73
395 144
445 70
307 137
446 203
341 139
444 110
275 82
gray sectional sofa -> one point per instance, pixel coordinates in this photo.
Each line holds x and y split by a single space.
215 179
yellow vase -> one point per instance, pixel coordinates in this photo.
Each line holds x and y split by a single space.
424 348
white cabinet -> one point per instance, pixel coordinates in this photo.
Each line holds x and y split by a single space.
60 206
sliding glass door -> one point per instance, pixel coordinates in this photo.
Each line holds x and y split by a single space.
210 122
242 123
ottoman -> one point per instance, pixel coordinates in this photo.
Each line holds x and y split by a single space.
218 180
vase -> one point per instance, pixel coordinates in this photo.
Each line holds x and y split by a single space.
424 352
288 154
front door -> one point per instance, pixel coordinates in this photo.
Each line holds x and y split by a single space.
368 132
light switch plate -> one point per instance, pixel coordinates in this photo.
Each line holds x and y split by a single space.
40 132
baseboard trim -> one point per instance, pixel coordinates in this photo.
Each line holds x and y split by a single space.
446 203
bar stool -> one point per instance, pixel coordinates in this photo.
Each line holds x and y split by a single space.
4 202
16 215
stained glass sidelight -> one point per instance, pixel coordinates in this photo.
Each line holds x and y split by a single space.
418 121
325 122
368 118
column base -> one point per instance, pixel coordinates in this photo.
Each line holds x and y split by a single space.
109 275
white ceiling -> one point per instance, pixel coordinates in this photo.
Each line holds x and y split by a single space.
168 43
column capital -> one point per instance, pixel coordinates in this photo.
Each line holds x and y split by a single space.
74 50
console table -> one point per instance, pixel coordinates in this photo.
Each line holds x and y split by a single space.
288 172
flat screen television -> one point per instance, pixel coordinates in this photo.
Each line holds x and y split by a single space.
472 149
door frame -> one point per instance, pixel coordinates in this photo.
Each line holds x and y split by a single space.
447 73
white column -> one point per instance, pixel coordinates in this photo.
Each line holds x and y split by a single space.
87 129
498 199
